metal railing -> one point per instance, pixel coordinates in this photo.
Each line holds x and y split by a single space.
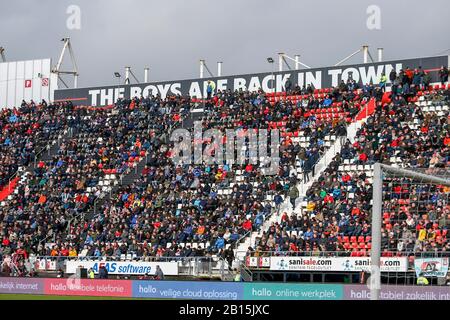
11 179
246 274
48 146
416 254
213 266
241 239
21 169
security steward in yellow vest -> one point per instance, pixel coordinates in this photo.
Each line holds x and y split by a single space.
91 274
422 281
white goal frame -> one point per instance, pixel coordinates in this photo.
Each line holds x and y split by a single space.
377 196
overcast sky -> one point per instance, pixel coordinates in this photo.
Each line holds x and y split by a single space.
170 36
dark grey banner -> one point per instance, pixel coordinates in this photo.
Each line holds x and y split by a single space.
269 82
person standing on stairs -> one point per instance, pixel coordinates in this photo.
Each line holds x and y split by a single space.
293 195
306 167
341 132
310 164
278 199
228 255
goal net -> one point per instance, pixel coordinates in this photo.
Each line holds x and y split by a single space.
410 222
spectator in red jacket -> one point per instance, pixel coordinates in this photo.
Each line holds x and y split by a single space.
247 225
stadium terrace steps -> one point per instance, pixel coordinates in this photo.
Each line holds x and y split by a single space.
324 162
54 146
111 186
286 205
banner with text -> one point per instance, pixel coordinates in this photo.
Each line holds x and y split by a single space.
269 82
431 267
291 291
87 287
362 292
355 264
188 290
125 267
215 290
22 285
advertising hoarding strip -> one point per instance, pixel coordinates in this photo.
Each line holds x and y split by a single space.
352 264
362 292
124 267
198 290
22 285
236 290
292 291
207 290
88 287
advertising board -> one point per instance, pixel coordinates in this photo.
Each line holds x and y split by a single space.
269 82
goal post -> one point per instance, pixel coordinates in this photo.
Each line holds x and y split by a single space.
438 177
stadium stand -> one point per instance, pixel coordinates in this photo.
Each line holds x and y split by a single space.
409 129
24 132
109 187
211 207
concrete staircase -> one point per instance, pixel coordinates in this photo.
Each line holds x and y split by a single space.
323 163
286 206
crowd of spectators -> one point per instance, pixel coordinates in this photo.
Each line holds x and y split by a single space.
168 205
25 131
416 217
66 186
172 209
